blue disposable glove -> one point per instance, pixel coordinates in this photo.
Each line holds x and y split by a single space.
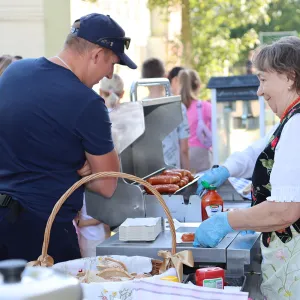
212 231
214 176
245 232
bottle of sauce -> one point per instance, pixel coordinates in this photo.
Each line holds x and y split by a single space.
211 201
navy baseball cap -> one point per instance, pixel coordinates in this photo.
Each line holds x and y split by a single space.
105 32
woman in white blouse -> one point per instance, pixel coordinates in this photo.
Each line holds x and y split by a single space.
275 207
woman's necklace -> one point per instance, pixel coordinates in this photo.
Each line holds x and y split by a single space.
63 62
289 108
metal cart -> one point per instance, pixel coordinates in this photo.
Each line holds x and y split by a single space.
141 154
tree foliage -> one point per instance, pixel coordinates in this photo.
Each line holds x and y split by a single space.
211 22
217 34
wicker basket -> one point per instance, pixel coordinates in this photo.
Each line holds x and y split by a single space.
47 261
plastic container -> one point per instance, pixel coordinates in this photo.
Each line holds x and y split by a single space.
229 281
211 201
213 277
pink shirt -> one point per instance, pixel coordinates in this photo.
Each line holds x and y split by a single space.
192 115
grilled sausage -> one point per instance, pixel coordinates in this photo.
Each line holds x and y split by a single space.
181 183
188 237
163 179
186 180
184 172
164 188
172 173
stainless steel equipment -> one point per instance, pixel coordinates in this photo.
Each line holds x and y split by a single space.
141 153
234 252
139 128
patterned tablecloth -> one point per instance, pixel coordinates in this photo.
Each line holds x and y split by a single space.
146 289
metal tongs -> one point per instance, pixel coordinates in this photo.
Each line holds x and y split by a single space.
178 224
190 183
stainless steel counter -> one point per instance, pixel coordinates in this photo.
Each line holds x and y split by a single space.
234 250
113 246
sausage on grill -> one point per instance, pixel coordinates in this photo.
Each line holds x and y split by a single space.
164 188
185 179
183 173
172 173
163 179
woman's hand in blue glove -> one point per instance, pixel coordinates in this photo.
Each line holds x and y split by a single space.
215 176
212 231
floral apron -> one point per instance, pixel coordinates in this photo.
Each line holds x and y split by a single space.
280 249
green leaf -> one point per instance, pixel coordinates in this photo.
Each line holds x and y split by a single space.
273 268
268 186
267 163
280 290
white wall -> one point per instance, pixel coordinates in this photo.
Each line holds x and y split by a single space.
22 27
33 28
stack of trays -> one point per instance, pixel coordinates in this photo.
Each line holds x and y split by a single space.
140 229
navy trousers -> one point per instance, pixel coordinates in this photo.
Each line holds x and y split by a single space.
23 238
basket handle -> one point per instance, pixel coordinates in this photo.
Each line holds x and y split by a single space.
46 260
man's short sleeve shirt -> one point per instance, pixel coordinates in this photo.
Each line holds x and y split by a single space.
48 120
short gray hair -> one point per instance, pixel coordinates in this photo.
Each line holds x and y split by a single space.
282 56
81 46
5 61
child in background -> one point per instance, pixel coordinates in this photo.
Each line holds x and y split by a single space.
112 91
199 118
92 232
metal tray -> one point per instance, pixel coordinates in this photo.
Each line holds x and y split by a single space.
229 281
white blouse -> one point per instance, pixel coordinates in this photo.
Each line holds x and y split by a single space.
285 175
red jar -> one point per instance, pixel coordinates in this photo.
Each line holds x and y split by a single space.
213 277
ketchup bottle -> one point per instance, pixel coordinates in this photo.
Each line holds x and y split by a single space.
211 201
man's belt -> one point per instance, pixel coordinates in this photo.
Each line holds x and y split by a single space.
5 200
14 207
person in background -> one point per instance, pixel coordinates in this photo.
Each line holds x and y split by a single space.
154 68
199 118
175 144
5 61
112 91
54 129
174 80
275 207
249 64
92 232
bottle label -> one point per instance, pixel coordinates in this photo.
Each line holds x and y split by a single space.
216 283
213 209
